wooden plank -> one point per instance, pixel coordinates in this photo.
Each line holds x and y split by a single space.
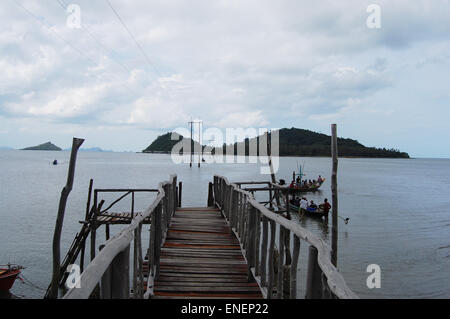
213 279
197 295
202 257
206 289
199 284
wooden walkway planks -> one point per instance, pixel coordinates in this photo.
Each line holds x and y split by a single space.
201 258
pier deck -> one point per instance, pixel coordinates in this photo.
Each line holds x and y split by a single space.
202 258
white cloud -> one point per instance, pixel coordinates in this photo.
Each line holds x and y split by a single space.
231 63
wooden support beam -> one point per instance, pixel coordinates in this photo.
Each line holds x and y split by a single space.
53 293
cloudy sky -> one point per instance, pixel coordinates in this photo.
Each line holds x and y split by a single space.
136 69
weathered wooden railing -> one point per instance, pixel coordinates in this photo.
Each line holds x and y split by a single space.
251 221
110 269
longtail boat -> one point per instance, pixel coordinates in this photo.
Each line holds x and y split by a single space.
313 187
310 212
8 276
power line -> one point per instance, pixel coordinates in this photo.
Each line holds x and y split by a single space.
134 39
64 40
64 6
56 34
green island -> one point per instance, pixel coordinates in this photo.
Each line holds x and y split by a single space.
294 142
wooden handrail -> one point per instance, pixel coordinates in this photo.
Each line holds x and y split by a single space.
120 243
223 197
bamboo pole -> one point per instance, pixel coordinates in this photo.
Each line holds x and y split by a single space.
334 205
76 143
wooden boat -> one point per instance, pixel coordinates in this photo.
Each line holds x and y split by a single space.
310 212
302 189
8 276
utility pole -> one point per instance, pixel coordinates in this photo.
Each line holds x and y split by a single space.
191 123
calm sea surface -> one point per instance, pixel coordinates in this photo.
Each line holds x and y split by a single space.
399 211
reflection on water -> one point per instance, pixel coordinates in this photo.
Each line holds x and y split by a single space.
399 211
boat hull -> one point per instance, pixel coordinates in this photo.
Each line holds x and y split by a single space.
319 214
296 190
7 278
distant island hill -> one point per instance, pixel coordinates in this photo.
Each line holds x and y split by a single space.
52 147
43 147
293 142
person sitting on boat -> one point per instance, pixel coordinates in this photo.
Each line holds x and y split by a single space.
292 184
325 206
312 205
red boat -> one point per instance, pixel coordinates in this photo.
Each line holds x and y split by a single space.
8 276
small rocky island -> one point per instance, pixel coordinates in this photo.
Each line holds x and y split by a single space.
43 147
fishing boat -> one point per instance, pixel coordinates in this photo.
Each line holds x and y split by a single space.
310 212
302 189
8 276
293 188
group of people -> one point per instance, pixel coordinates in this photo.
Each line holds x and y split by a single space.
303 204
306 183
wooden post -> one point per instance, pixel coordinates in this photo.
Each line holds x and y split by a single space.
272 172
105 284
76 143
120 285
280 274
264 251
210 195
180 193
294 264
88 207
271 257
334 204
93 225
288 206
107 234
313 280
140 263
135 264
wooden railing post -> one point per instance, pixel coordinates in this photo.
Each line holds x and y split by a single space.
264 252
280 263
251 230
271 256
180 193
295 255
313 280
140 263
120 285
105 284
158 234
210 195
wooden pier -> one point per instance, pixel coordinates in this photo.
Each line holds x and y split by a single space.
235 247
202 258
